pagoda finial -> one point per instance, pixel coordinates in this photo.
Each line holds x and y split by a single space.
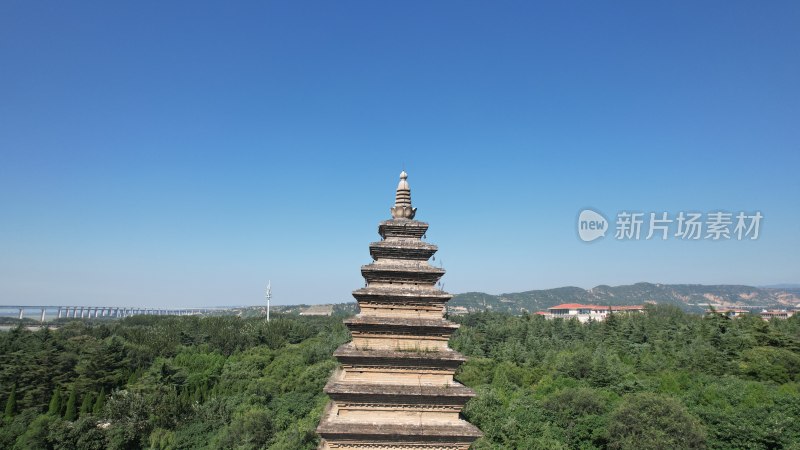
402 203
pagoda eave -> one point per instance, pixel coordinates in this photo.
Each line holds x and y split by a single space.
375 273
380 433
347 353
400 326
402 322
401 294
402 228
455 394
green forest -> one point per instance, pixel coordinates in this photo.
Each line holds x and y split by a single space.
664 379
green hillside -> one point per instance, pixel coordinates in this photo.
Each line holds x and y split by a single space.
690 297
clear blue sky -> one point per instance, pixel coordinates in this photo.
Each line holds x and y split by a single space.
183 153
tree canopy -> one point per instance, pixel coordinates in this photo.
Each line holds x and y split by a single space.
661 379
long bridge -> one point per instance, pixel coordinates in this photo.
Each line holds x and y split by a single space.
92 312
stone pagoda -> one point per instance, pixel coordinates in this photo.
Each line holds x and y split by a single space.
395 387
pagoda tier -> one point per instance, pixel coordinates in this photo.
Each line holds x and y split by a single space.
395 366
403 229
388 273
402 301
446 359
401 333
433 398
402 250
395 388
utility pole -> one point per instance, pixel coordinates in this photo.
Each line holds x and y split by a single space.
269 296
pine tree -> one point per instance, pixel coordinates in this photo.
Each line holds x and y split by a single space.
197 395
215 391
204 391
86 404
185 397
55 403
11 403
72 409
99 403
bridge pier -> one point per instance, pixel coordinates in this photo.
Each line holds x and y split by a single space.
21 313
43 313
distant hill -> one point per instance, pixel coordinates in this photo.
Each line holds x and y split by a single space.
793 286
691 297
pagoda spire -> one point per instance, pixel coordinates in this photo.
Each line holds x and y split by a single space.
402 201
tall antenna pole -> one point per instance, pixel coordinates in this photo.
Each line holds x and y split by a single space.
269 296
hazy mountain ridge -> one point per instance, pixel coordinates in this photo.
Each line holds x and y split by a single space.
691 297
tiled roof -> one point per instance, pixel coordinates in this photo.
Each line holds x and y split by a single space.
573 306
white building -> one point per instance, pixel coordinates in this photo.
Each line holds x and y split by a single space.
585 313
